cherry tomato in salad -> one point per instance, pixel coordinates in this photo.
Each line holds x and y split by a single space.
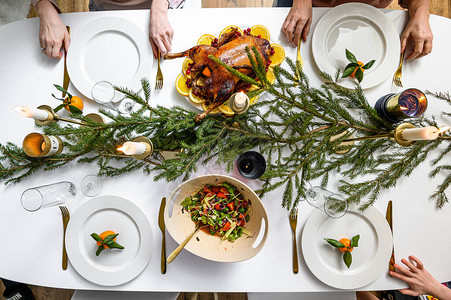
231 206
226 226
221 195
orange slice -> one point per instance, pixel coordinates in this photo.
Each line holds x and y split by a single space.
185 67
180 85
270 75
225 109
205 39
194 98
260 30
279 55
229 28
205 106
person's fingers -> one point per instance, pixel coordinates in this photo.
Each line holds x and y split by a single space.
297 35
290 31
306 30
408 292
399 276
56 50
417 50
402 270
409 265
427 48
404 39
154 47
66 41
417 262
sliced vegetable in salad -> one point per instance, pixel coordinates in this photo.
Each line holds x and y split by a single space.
219 210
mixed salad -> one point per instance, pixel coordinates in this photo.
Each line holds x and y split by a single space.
220 210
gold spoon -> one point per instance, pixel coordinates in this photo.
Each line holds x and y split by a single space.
176 252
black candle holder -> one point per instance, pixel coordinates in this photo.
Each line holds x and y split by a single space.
397 107
251 165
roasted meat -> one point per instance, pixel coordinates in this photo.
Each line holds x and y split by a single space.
212 81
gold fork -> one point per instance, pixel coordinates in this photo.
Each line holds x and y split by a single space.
293 224
66 217
398 73
299 60
159 80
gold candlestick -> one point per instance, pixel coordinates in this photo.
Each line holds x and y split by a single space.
41 145
148 147
394 135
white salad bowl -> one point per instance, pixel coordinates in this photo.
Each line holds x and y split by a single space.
179 224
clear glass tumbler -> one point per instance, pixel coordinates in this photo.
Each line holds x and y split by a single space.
103 93
334 205
39 197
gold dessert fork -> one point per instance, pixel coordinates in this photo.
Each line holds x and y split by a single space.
159 80
66 217
299 60
398 74
294 223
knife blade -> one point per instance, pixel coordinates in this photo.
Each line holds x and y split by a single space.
66 74
389 218
163 232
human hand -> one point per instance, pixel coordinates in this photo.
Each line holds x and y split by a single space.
421 282
419 31
160 30
53 34
298 21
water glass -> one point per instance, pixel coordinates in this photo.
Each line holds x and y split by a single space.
103 93
334 205
39 197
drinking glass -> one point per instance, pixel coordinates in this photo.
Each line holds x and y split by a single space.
103 93
39 197
334 205
91 185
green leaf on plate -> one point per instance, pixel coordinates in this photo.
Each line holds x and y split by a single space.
115 245
359 75
96 237
99 250
368 65
74 109
59 107
334 243
348 71
355 241
350 56
110 237
347 258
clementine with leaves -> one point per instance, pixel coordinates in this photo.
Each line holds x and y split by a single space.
346 246
106 240
355 68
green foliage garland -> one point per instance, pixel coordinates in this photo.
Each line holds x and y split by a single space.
296 130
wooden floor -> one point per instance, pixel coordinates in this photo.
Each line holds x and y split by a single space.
437 7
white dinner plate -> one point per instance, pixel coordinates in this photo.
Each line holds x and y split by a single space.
109 49
369 259
112 266
365 31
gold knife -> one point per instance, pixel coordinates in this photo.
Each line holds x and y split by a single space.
389 217
66 75
163 232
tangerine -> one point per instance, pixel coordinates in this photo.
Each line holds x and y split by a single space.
205 39
74 101
260 30
103 235
278 56
347 243
361 64
180 85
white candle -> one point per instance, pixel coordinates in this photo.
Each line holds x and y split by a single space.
36 113
133 148
240 99
417 134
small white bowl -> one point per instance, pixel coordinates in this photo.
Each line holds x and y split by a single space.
179 224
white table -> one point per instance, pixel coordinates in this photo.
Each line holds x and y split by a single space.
31 242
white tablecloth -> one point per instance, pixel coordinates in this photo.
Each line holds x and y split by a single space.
30 250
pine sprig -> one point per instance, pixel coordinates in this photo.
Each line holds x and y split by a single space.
296 129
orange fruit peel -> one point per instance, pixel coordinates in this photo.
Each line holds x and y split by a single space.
279 55
260 30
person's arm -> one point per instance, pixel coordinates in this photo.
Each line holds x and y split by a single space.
53 34
421 282
160 30
418 29
298 21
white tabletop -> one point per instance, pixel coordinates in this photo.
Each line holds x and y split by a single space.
31 242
